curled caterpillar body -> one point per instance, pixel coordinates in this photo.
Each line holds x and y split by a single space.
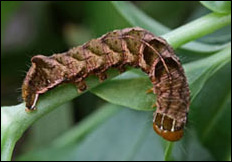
131 46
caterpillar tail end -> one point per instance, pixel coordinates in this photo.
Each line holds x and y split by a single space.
169 135
167 127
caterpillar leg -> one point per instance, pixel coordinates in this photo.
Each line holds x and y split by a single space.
149 90
121 68
81 86
102 77
154 105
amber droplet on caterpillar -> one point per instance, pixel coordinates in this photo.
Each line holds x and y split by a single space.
134 47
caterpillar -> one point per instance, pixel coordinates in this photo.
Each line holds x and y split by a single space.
136 47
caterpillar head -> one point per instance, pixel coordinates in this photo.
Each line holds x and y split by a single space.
45 73
29 90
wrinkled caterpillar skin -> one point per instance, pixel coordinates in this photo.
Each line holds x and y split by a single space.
131 46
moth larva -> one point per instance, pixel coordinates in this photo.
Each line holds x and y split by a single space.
131 46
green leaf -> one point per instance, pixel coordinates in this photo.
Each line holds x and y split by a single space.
200 71
128 89
211 114
86 126
218 6
125 135
124 142
51 126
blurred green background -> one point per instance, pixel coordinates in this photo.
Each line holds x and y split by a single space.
31 28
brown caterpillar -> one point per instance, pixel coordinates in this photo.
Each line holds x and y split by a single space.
131 46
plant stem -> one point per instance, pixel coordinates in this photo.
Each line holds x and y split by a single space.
168 151
197 29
